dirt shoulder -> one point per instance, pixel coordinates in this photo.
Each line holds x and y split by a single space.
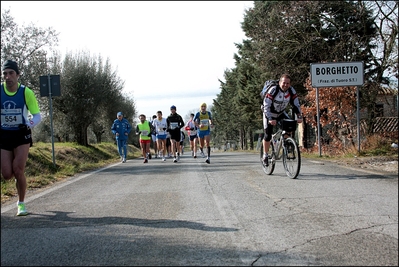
375 163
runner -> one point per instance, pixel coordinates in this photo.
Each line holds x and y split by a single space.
203 120
160 124
144 129
193 135
175 123
182 137
154 138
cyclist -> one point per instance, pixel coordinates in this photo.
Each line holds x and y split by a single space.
273 107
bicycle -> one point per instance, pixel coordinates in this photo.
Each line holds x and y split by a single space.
283 146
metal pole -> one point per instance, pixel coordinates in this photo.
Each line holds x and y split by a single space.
318 120
358 118
51 117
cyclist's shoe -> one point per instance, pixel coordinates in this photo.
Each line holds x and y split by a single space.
22 210
266 160
175 160
290 151
208 160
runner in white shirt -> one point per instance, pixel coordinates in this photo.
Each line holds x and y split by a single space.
193 135
160 124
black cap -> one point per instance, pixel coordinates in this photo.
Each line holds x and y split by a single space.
9 64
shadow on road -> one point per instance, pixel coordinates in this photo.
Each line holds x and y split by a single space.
61 219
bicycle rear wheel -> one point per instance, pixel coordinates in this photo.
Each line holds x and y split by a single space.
272 160
291 158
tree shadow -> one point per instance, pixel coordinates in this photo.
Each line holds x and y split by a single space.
60 219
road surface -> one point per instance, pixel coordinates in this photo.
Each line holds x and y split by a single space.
220 214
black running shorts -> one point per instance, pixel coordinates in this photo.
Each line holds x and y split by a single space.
12 139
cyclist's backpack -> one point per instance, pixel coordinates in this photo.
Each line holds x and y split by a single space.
268 84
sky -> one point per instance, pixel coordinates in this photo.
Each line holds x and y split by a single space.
167 52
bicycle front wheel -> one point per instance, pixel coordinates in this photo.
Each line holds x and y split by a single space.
272 160
291 158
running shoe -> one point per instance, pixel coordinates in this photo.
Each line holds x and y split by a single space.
124 160
21 210
163 159
156 155
192 153
145 160
149 156
121 158
174 160
202 154
208 160
266 160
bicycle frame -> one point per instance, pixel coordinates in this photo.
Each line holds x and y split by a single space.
276 139
283 146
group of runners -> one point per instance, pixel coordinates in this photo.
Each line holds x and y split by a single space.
167 134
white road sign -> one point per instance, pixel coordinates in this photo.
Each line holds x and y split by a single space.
337 74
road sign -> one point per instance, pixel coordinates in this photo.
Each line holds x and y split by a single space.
54 85
337 74
50 86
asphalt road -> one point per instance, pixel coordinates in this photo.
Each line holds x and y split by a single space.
222 214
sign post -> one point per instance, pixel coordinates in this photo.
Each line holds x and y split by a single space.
50 86
337 74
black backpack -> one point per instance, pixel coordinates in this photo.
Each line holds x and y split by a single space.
269 84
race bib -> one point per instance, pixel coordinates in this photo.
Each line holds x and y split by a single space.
205 122
193 132
174 125
11 117
144 132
